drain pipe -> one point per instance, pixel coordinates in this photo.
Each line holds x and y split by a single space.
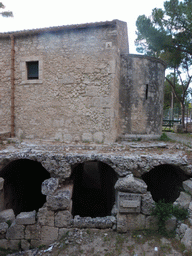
12 86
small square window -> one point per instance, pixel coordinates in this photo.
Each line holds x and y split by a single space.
32 70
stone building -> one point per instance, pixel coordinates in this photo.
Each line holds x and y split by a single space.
78 83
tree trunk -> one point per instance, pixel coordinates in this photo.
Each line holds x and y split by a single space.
183 115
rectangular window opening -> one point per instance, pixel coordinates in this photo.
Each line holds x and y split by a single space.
146 91
32 70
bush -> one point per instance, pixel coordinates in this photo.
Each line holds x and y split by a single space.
164 211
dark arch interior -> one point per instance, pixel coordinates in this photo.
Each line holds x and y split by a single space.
93 193
22 186
165 182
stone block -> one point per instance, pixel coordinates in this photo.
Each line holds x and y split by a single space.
33 232
62 232
121 223
63 219
15 231
1 183
151 223
147 203
136 222
7 215
67 138
129 203
98 137
49 235
187 185
183 200
49 186
25 245
36 243
187 239
87 137
3 228
170 224
60 200
26 218
10 244
45 217
61 168
4 244
131 184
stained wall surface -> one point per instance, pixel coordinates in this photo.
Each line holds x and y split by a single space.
141 95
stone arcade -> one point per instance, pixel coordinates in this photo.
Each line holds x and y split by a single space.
44 193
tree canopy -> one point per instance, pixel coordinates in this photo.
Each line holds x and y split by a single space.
167 34
5 13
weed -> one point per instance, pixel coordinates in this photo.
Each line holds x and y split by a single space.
164 211
119 242
164 137
8 222
42 246
180 213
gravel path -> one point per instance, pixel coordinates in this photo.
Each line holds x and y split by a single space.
185 138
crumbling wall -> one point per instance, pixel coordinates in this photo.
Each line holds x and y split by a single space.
48 223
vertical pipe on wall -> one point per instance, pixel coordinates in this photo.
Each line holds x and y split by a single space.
12 86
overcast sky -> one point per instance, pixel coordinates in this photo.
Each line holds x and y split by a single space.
29 14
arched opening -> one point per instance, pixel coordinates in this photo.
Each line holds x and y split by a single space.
93 193
165 182
22 186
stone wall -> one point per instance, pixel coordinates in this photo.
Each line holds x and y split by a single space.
5 85
141 95
76 95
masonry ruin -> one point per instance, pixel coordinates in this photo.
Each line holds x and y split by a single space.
47 193
78 86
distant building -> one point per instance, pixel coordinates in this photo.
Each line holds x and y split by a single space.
78 83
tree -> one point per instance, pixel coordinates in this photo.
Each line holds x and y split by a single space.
5 13
167 34
170 99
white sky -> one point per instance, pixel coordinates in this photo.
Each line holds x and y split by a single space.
29 14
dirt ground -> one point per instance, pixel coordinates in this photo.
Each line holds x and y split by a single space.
85 242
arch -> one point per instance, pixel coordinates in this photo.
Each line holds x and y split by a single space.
22 186
93 193
165 182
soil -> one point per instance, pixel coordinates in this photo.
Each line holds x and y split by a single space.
86 242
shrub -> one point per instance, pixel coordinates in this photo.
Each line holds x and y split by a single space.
164 211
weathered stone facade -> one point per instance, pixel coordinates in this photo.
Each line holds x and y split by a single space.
82 92
141 95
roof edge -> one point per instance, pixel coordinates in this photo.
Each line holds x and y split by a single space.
59 28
